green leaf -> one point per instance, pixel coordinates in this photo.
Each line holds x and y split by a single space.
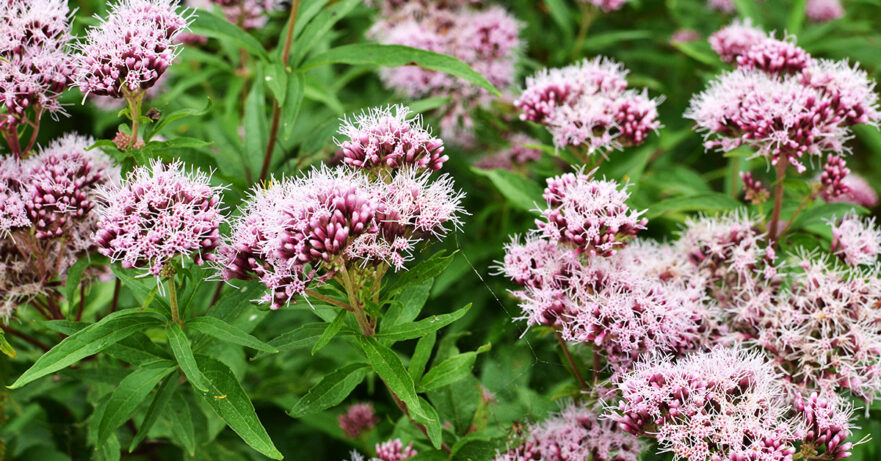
421 354
130 393
617 37
710 201
748 9
823 212
227 398
182 423
423 327
397 55
320 26
212 26
431 422
428 104
697 52
180 346
5 347
426 270
176 115
291 110
562 16
276 79
407 304
223 331
330 391
520 192
449 371
303 336
88 341
389 367
796 17
163 396
74 275
256 131
330 332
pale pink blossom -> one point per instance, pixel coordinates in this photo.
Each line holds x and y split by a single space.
357 419
606 5
832 179
856 241
775 56
249 14
827 424
859 192
735 39
824 10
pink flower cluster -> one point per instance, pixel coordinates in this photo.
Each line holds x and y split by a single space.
824 10
578 432
754 191
486 39
130 49
33 56
606 5
248 14
394 450
827 425
832 179
358 419
859 191
158 213
856 241
514 157
780 101
825 330
726 404
46 216
388 137
589 214
588 104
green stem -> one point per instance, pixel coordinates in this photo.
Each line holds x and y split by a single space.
778 201
361 316
588 13
172 299
801 206
134 108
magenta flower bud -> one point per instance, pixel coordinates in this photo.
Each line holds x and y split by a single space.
827 423
394 450
775 57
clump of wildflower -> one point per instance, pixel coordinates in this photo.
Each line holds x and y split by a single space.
589 214
734 40
782 117
159 212
394 450
753 190
723 404
304 230
248 14
775 56
486 39
33 55
130 49
848 89
13 211
390 138
824 10
606 5
827 424
589 104
357 419
514 156
859 191
577 432
824 330
832 183
856 241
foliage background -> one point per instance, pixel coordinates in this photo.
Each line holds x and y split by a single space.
50 419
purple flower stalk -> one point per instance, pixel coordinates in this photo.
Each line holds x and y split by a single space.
130 49
589 214
33 56
389 137
726 404
159 213
578 432
357 419
589 104
856 241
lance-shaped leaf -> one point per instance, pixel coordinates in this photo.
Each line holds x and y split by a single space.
422 327
389 367
210 25
180 346
331 390
216 328
130 393
450 370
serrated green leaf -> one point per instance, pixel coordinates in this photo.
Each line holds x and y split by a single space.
210 25
709 201
389 367
331 390
183 353
303 336
320 26
423 327
422 354
163 396
396 56
223 331
426 270
330 332
229 401
431 422
176 115
182 423
130 393
520 192
88 341
448 372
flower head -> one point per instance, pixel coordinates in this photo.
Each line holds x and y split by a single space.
394 450
754 191
775 56
577 432
589 104
827 423
856 241
735 39
849 90
824 10
129 50
13 211
248 14
357 419
390 138
832 181
859 191
33 54
158 213
589 214
724 404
